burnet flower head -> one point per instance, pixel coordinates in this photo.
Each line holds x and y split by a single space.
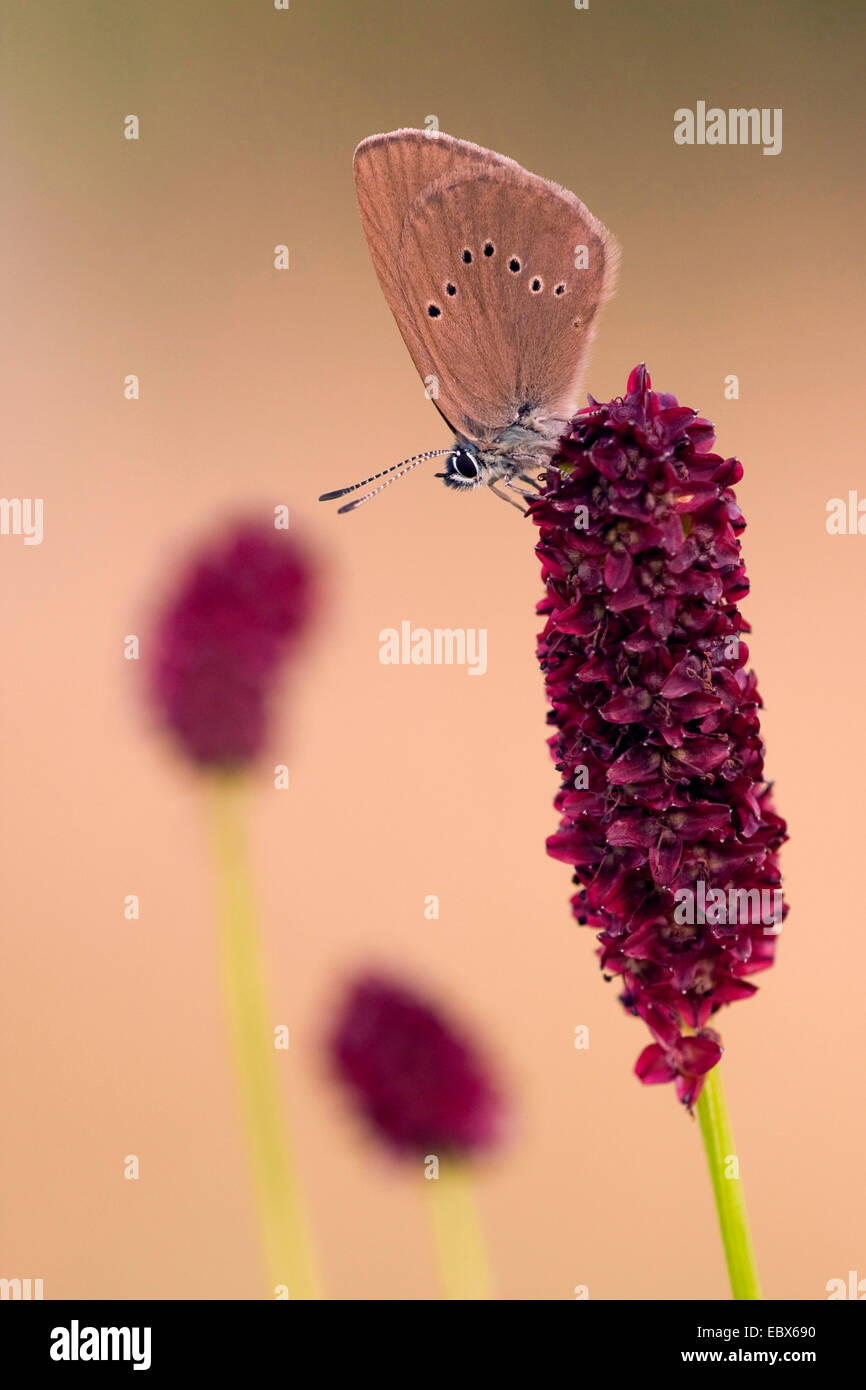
667 818
418 1083
237 612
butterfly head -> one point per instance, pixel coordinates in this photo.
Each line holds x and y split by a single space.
503 455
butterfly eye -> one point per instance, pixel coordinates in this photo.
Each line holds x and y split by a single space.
462 469
464 464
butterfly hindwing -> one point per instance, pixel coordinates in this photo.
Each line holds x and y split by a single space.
502 275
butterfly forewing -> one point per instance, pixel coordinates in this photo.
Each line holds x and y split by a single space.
390 171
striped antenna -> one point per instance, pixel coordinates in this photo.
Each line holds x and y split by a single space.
397 469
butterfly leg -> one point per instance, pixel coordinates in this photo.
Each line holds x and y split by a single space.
510 500
521 491
513 472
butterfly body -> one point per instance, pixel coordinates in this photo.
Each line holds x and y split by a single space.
503 457
495 278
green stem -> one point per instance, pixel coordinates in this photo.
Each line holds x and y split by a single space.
283 1227
722 1159
457 1232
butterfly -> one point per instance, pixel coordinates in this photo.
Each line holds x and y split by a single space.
495 277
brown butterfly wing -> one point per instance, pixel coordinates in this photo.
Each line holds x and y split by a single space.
390 172
499 311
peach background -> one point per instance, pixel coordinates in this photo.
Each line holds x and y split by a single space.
258 388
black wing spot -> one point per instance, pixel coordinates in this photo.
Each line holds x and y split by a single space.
450 289
560 289
489 248
514 265
467 257
433 310
537 286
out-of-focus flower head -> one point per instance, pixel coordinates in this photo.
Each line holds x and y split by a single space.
415 1080
237 613
667 819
